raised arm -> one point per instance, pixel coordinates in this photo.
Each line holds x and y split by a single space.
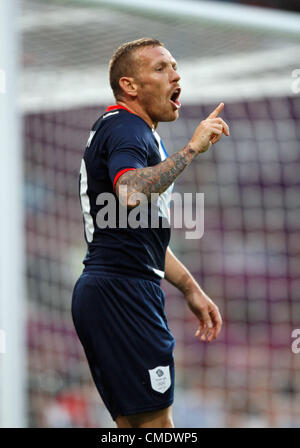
156 179
210 321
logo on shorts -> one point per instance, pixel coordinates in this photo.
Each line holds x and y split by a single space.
160 378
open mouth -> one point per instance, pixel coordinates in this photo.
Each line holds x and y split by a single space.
174 98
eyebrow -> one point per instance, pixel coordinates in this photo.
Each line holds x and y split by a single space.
164 63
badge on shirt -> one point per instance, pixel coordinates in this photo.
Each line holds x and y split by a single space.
160 378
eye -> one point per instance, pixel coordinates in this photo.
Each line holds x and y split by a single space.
159 69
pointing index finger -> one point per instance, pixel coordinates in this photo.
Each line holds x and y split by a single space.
217 110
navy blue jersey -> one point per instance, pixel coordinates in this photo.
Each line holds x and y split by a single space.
120 141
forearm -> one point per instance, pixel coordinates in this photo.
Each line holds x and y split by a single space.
178 275
155 179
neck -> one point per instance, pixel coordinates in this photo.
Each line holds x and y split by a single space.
138 110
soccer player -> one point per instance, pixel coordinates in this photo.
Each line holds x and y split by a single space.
117 304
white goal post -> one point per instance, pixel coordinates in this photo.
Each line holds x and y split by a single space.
12 285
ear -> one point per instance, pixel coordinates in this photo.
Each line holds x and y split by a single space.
128 86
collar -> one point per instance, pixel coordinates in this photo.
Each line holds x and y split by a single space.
117 106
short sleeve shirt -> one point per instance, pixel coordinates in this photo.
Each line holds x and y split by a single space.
122 243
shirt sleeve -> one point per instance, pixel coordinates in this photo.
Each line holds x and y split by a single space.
126 150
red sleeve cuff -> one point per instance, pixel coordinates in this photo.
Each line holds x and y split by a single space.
120 174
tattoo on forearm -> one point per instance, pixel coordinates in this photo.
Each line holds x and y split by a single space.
156 179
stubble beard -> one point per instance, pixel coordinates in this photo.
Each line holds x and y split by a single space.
160 113
154 109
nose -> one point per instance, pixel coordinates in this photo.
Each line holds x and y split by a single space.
178 77
175 77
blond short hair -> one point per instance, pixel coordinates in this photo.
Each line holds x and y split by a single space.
122 62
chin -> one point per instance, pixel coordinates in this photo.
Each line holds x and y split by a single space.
169 116
176 115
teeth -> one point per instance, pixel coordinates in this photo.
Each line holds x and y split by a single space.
175 93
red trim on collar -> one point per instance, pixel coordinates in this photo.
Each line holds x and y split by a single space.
117 106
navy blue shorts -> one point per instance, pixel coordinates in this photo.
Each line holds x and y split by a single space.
123 328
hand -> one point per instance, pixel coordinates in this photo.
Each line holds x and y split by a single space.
207 313
209 131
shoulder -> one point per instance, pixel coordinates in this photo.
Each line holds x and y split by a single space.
125 126
122 119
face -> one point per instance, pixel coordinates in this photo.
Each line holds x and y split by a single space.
157 82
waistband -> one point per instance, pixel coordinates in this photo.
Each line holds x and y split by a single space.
102 271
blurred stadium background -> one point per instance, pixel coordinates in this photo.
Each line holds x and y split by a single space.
248 259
